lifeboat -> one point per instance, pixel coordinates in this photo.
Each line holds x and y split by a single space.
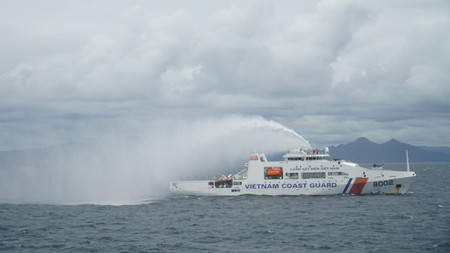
275 172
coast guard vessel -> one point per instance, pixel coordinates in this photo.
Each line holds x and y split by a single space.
303 172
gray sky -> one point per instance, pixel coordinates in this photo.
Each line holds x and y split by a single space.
330 70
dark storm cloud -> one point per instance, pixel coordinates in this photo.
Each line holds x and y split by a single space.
331 70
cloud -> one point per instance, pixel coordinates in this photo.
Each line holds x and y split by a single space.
311 66
390 52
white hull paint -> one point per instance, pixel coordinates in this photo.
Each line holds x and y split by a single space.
302 173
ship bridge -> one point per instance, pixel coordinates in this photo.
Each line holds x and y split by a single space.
307 155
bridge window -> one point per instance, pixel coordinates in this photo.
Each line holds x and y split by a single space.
337 174
295 158
291 175
309 175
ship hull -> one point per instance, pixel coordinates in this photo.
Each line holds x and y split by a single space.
354 186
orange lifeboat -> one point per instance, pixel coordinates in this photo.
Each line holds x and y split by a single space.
275 172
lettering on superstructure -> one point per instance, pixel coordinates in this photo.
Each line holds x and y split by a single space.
322 185
314 168
262 186
294 185
290 185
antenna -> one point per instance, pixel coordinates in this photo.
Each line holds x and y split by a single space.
407 161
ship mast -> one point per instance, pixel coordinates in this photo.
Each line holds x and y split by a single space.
407 161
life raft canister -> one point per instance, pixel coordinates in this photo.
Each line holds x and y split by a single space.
275 172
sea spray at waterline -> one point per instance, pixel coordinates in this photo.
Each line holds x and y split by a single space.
124 170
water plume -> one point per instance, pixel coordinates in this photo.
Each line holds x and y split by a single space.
131 170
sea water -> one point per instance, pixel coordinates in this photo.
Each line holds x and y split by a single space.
418 221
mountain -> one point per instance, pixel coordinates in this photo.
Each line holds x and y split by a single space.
363 150
445 150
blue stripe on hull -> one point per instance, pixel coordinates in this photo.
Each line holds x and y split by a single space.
348 184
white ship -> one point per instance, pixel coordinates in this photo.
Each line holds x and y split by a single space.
303 172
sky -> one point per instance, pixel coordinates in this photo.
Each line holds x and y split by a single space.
332 71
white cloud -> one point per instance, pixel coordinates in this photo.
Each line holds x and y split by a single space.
179 81
353 64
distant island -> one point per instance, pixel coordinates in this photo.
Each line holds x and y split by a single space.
363 150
